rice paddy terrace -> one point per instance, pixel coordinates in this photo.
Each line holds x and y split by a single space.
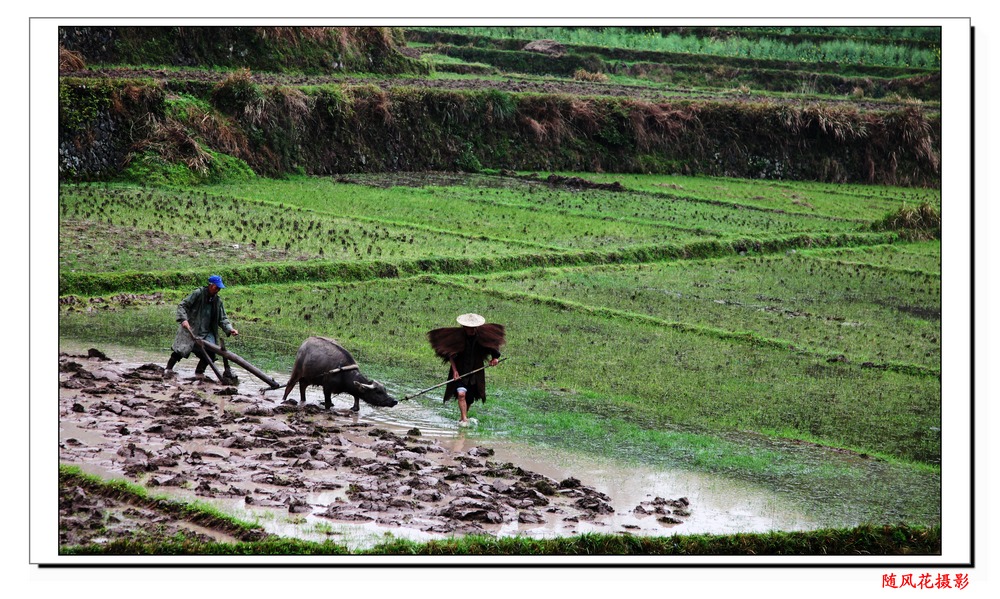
711 249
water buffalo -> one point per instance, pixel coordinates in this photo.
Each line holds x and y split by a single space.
321 361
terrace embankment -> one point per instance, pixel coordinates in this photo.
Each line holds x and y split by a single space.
680 68
299 112
90 283
140 129
305 49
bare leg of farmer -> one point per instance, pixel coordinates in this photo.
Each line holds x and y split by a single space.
463 408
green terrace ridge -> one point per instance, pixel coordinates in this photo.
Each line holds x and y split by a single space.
96 283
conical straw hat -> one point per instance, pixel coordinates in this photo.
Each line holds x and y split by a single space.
471 320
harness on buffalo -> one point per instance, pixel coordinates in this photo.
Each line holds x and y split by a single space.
336 370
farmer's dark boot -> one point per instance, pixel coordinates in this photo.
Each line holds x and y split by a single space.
170 365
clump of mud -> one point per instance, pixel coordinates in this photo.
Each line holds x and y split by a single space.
226 442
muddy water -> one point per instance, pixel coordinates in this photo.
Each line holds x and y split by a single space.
723 505
717 504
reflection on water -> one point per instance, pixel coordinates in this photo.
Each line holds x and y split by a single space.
412 414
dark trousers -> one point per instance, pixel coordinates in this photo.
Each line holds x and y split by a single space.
202 362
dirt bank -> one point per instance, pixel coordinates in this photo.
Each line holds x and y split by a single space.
509 84
237 446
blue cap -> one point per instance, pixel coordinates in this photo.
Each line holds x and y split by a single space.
217 281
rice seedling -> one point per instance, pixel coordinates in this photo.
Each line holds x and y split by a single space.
884 52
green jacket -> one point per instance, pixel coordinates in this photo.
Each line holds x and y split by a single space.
205 314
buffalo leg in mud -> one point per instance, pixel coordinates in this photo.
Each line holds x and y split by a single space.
290 385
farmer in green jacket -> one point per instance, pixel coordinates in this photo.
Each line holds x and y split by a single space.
201 313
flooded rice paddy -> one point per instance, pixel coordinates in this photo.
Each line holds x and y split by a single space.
409 471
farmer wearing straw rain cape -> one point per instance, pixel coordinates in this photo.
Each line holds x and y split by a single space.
465 348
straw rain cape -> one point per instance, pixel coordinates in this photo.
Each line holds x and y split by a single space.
470 353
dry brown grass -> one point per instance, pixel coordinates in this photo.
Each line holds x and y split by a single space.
295 103
583 75
70 61
373 102
914 222
294 35
537 129
917 134
131 95
656 124
547 119
583 114
241 86
239 78
841 123
355 40
171 140
217 132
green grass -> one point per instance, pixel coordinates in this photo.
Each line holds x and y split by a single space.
924 257
865 540
121 229
196 511
815 306
842 201
847 50
462 209
831 489
533 212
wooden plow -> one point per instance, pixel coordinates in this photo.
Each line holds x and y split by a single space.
199 350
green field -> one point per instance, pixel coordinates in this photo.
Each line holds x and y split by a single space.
892 49
838 345
116 228
824 201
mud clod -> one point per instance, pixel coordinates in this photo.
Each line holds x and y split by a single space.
669 511
96 353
